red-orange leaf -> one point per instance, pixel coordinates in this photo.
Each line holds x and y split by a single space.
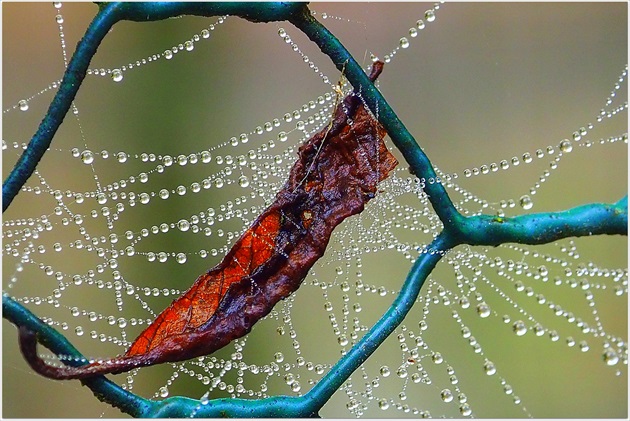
336 173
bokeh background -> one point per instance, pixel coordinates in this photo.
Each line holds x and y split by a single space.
484 82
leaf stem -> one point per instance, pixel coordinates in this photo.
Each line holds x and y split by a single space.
418 161
104 389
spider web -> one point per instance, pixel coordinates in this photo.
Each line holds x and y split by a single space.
179 139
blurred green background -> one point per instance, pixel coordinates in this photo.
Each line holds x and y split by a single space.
484 82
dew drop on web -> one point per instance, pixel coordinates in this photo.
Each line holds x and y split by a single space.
87 157
117 75
489 368
243 181
465 410
385 371
526 202
446 395
483 310
610 357
519 328
566 146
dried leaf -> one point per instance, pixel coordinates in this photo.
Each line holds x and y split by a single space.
336 173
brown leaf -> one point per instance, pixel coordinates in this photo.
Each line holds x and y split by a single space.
336 173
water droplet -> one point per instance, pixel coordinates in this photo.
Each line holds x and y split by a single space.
385 372
282 33
78 330
465 410
87 157
282 137
164 194
447 395
117 75
437 358
404 42
610 357
583 346
180 258
23 104
483 310
519 328
278 357
243 181
489 368
205 398
163 392
526 202
168 54
167 160
429 15
182 160
121 157
189 45
383 404
183 225
566 146
206 157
